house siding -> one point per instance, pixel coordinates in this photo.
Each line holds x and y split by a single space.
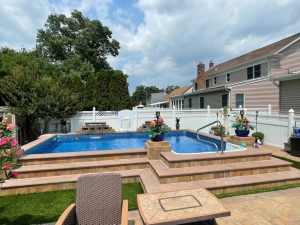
214 100
289 59
257 95
289 96
237 75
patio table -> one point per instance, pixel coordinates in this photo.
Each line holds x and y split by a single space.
180 207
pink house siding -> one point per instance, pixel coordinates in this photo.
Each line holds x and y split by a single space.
257 95
289 59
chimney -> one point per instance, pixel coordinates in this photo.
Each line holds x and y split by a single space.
211 64
201 76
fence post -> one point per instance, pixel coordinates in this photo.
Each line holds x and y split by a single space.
174 118
291 122
94 114
269 109
245 111
208 110
135 110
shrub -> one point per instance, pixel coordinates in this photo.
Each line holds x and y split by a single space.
218 130
259 135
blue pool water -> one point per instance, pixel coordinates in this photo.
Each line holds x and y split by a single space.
180 141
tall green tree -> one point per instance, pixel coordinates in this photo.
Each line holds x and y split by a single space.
65 36
118 91
171 88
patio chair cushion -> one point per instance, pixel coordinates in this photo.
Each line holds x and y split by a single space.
99 199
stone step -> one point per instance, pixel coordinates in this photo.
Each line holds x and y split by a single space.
151 185
174 175
46 170
39 159
189 160
233 184
63 182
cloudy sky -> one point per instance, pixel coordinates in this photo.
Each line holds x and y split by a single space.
162 40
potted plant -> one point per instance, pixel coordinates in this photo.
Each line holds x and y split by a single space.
259 136
218 130
9 152
157 129
242 126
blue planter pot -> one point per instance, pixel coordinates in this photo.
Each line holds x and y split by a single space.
242 133
159 137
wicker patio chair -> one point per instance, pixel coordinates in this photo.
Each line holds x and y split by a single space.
98 202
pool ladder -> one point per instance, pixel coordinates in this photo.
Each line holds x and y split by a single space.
222 136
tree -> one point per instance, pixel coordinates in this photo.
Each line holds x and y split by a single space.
33 95
118 91
170 88
65 36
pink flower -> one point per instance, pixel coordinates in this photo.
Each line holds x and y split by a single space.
161 121
6 166
14 174
4 122
152 123
3 141
10 127
14 142
18 153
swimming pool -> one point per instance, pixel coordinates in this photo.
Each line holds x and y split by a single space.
182 142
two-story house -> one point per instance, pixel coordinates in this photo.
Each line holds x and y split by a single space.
248 80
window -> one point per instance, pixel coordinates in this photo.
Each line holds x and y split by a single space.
207 83
257 71
239 100
190 103
195 86
253 72
227 77
201 102
215 80
225 100
183 104
250 73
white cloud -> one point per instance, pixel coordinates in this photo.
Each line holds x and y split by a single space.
173 35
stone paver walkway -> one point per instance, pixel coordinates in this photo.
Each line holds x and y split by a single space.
280 152
272 208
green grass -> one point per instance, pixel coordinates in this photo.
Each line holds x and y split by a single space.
258 190
296 164
47 206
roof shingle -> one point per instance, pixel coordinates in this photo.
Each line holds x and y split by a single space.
256 54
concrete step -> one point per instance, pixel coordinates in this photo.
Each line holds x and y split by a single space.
88 156
174 175
189 160
46 170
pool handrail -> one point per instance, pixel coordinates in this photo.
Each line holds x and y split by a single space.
222 136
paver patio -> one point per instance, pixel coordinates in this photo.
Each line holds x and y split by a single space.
270 208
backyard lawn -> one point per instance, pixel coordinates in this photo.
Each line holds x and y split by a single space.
47 206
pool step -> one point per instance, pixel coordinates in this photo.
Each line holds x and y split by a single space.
189 160
151 185
173 175
53 158
46 170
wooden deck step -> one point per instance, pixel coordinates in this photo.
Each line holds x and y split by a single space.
172 175
46 170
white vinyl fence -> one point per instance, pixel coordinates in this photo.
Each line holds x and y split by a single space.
277 128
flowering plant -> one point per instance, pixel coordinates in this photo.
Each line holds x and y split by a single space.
156 127
242 123
9 152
